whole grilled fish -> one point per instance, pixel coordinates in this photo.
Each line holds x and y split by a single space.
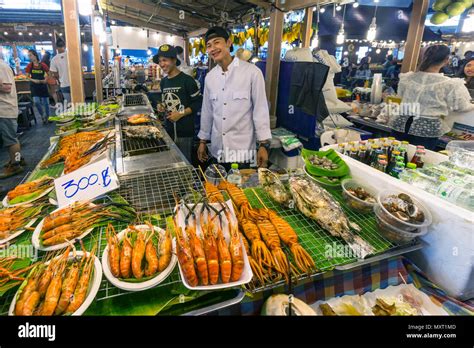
317 204
273 186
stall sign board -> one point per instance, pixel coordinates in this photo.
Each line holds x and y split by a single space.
86 183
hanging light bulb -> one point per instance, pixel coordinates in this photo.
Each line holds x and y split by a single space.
372 30
340 35
378 50
149 52
322 10
85 7
355 4
85 48
113 22
338 7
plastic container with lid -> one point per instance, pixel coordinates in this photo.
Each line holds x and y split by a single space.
393 233
355 203
212 174
395 221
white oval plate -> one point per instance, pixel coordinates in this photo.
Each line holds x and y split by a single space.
160 277
44 193
94 285
35 239
17 233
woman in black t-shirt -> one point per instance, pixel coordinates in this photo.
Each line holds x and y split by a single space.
37 72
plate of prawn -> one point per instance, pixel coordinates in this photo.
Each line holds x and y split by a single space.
16 220
210 250
74 221
138 258
64 285
28 192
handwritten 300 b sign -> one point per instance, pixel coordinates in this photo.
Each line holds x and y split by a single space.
86 183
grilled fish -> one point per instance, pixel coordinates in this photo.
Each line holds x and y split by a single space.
143 132
273 186
317 204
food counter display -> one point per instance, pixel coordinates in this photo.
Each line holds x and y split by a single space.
168 242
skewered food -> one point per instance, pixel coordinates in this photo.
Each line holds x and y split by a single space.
28 191
13 220
12 272
143 132
213 194
208 257
138 119
59 286
74 220
77 150
286 233
274 187
317 204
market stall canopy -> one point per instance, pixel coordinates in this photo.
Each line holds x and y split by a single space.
176 16
392 23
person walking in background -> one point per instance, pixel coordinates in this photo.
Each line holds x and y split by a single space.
60 70
51 82
8 121
37 72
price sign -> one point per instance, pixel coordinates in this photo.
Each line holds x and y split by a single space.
86 183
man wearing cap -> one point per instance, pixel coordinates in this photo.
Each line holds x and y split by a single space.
234 115
181 99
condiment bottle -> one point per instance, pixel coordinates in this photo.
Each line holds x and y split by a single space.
405 145
353 154
340 148
418 158
362 156
395 171
381 165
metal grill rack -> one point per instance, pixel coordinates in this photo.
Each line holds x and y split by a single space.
152 192
134 100
136 146
317 242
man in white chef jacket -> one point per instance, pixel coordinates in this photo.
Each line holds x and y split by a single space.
234 115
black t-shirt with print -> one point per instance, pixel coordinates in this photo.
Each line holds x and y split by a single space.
179 93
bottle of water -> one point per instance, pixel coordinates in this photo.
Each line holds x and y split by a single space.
462 196
413 177
234 176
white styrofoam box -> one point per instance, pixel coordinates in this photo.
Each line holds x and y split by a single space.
448 257
278 158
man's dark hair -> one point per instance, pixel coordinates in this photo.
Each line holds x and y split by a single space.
60 43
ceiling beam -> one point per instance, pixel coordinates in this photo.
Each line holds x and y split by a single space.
150 9
145 20
143 24
291 5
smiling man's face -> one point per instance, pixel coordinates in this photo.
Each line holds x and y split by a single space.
218 48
